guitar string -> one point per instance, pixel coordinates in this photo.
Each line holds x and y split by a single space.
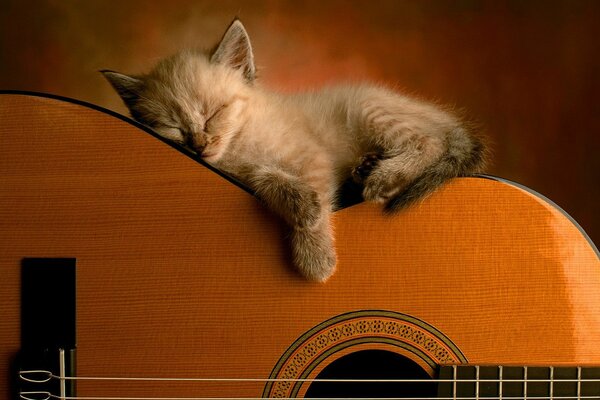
46 376
48 396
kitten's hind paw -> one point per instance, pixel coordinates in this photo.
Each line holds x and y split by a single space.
314 254
367 163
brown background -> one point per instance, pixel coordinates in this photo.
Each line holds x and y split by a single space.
527 71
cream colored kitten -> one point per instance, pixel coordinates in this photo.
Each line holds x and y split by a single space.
295 151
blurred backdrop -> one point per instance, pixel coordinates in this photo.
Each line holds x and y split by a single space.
527 71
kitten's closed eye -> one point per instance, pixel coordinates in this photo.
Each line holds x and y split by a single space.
209 124
172 133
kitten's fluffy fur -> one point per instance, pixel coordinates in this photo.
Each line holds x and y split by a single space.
295 151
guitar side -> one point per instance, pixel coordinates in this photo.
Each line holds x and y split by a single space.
181 273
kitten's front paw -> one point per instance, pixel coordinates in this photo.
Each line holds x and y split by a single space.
381 186
369 161
314 254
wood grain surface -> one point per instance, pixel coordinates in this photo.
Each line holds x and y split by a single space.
181 273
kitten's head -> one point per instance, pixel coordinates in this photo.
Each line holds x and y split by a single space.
196 99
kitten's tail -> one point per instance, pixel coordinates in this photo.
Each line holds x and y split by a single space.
465 155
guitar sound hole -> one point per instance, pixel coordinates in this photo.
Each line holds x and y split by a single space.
372 364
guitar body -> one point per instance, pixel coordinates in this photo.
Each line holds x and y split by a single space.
181 273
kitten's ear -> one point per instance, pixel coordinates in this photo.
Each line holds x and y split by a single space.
235 50
127 87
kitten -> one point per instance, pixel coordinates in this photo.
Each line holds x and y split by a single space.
295 151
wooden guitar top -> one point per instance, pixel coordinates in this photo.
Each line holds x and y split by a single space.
182 273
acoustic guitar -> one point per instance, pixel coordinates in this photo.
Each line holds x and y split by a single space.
168 280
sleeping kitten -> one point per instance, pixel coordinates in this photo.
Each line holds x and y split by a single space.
295 151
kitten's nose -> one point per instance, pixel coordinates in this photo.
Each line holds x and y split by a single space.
196 142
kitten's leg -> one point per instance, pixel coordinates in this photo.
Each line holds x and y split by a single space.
365 166
307 213
420 164
421 146
287 196
400 165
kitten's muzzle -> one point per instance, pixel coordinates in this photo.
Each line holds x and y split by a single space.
201 152
196 143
